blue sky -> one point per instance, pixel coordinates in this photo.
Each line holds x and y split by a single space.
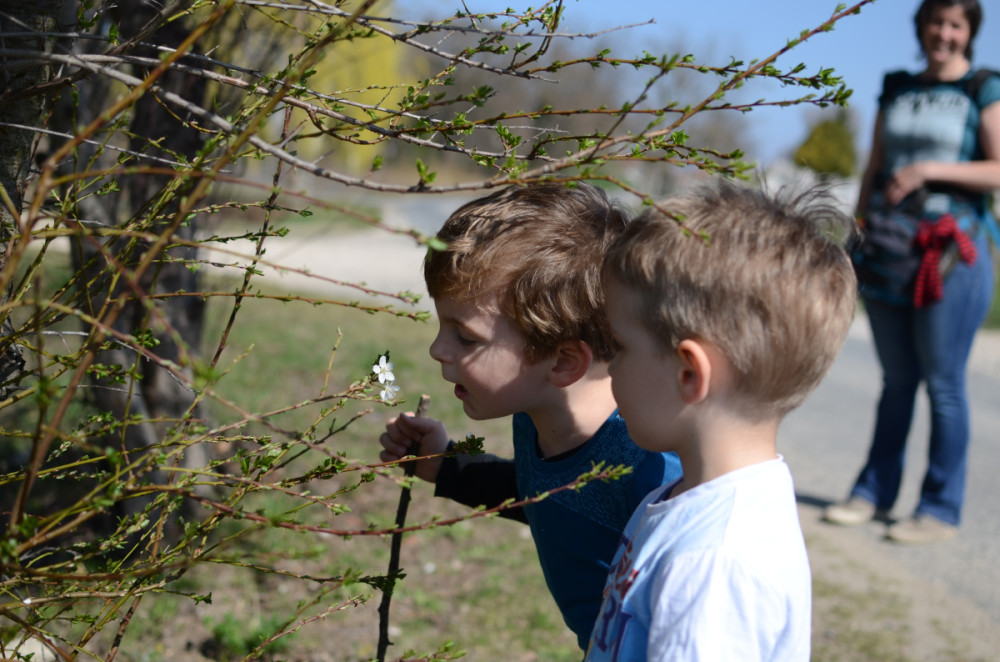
861 48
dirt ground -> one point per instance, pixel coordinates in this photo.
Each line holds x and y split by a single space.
864 599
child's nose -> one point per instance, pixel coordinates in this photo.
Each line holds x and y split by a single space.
438 350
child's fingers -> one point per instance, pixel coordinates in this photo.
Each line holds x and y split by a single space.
414 425
407 434
395 442
399 433
394 421
387 456
417 428
431 433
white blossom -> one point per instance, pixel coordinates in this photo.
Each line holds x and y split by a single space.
389 392
383 370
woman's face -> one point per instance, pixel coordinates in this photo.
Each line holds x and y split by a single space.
945 34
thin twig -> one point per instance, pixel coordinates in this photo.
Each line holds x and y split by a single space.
397 541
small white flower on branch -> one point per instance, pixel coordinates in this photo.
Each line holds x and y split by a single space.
383 370
389 392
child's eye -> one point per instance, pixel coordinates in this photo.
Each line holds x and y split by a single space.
466 342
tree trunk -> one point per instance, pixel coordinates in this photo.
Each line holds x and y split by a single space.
156 401
17 144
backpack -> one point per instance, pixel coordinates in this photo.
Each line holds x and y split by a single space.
886 258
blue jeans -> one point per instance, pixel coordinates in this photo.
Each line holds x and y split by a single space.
930 345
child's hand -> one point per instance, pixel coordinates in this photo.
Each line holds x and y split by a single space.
403 433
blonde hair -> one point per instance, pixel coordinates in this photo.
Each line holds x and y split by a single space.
766 279
539 250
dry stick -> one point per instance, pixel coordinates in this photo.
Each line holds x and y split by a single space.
397 541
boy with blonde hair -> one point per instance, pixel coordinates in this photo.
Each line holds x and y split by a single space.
522 333
725 318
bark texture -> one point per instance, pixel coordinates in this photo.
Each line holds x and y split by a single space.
19 110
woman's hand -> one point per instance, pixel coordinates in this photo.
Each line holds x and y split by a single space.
905 181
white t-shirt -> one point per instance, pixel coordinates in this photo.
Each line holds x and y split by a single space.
719 572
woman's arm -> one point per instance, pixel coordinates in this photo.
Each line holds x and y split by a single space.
973 175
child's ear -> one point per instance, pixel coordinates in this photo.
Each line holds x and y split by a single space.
570 363
694 376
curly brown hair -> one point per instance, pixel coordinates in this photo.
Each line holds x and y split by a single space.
537 249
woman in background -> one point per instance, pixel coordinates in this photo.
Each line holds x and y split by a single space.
935 153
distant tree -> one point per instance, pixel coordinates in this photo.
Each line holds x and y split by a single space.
829 148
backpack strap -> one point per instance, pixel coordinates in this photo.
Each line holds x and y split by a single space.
892 81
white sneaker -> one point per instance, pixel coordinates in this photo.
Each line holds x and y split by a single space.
920 530
852 512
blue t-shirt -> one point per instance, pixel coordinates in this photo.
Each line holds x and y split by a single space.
576 532
934 121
